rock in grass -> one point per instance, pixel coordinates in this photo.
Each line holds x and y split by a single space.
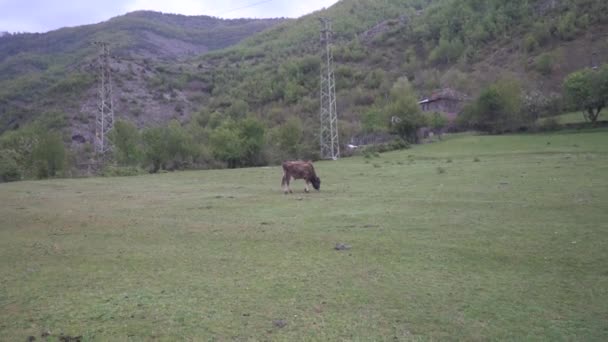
279 323
342 247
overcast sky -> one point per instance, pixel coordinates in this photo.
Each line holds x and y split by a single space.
47 15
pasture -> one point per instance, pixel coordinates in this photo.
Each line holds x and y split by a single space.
472 238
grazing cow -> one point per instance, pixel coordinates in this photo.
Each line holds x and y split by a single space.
299 170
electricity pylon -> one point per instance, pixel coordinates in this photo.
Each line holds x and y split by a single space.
104 118
330 146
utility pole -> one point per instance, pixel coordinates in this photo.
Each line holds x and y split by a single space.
104 119
330 147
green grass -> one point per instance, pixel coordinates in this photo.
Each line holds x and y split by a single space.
508 243
569 118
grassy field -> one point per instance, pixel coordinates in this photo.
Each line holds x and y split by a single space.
474 238
570 118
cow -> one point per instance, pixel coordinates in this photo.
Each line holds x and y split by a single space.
299 170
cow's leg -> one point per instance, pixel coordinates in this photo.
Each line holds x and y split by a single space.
285 183
306 187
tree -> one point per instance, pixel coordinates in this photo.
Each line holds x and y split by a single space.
49 155
238 143
226 145
251 132
588 90
498 108
437 121
168 147
155 151
404 113
126 139
9 169
287 138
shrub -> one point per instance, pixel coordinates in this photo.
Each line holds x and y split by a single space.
9 169
49 156
530 43
126 140
497 109
544 64
168 147
405 114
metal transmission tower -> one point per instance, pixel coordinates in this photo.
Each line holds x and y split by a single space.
104 119
330 147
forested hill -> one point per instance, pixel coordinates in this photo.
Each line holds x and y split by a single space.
465 45
266 86
50 72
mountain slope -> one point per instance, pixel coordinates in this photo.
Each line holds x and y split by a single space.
41 71
464 45
163 67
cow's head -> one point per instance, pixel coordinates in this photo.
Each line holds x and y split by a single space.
316 182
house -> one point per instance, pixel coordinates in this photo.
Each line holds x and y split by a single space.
446 101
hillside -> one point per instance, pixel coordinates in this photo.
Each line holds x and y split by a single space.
55 71
168 73
459 44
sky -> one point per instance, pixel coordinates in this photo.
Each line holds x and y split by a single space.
48 15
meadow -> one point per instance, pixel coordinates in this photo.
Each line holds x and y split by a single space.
471 238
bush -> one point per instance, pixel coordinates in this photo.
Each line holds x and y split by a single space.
126 140
544 64
239 143
405 114
9 169
497 109
49 155
168 147
530 43
121 171
588 90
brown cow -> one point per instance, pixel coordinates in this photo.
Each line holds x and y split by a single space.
299 170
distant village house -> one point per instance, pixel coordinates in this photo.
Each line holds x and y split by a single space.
448 102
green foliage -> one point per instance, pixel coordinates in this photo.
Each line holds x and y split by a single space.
251 132
9 169
126 140
168 148
226 146
404 112
375 78
447 51
238 109
49 155
437 121
566 26
497 109
588 90
36 150
277 70
530 43
544 64
238 143
374 120
287 139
